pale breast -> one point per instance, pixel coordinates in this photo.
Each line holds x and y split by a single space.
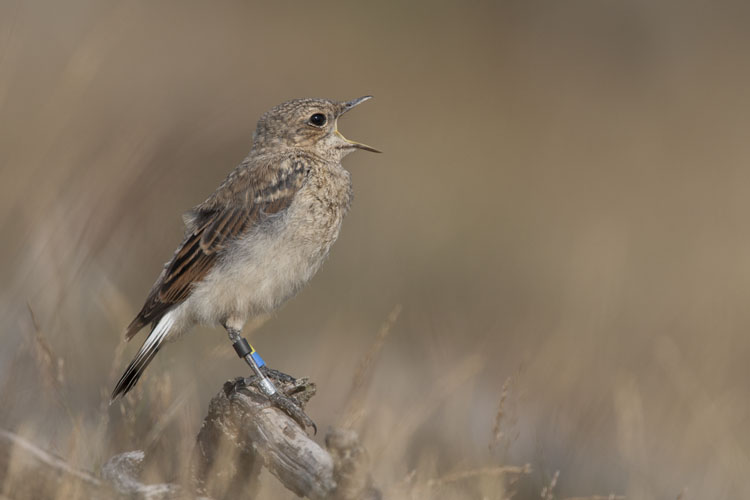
269 265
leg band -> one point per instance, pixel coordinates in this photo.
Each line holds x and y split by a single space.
242 347
257 358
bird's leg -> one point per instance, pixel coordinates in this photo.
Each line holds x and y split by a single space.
245 351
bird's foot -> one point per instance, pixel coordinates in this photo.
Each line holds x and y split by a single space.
292 408
290 396
277 375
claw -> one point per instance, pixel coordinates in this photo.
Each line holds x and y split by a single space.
277 375
283 401
292 409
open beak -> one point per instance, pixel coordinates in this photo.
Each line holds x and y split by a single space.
345 107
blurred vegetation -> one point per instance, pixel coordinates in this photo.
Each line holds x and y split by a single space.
562 204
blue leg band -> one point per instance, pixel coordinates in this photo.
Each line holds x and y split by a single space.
258 359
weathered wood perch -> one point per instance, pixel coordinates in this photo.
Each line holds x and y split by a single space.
241 434
240 417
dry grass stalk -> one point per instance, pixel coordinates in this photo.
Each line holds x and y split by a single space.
598 497
461 372
51 367
548 491
165 418
497 432
52 370
20 460
362 377
497 471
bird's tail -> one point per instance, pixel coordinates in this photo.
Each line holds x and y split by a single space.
146 353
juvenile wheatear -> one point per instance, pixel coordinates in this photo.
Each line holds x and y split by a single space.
258 239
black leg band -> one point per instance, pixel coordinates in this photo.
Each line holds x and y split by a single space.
242 347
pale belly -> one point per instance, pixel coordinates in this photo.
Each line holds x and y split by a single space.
267 267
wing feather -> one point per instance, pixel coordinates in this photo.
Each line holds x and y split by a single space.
244 200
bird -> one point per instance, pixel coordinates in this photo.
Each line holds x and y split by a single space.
257 240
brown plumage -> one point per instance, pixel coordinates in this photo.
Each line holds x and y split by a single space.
243 200
260 236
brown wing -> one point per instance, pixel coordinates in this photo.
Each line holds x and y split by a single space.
245 198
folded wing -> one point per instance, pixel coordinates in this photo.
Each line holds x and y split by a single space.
245 199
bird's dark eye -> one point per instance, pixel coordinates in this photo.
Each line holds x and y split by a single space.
318 119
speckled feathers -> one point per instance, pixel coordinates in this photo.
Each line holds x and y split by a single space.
261 236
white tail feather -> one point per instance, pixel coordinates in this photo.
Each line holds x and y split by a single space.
145 354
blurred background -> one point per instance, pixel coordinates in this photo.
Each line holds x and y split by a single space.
557 230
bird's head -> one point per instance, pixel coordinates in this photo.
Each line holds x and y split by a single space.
309 124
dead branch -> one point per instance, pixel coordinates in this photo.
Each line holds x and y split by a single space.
242 419
121 474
